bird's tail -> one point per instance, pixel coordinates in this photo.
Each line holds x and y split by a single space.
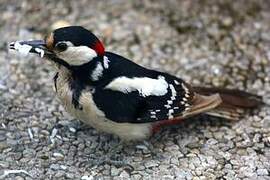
234 102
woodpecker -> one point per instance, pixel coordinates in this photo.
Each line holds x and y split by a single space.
117 96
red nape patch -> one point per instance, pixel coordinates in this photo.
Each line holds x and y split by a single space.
99 48
158 125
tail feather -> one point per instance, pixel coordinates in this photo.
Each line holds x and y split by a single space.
234 102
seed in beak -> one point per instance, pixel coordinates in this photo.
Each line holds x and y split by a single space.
24 49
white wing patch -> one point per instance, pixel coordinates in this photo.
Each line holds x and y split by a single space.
146 86
97 72
106 62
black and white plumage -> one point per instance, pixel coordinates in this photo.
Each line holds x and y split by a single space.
115 95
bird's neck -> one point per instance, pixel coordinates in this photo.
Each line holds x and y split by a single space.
91 72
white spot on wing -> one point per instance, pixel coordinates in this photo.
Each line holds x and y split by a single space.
167 106
176 82
170 113
146 86
106 62
185 88
173 90
169 102
97 72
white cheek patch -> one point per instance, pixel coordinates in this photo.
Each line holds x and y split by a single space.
145 86
77 55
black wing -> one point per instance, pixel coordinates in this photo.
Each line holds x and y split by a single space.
133 107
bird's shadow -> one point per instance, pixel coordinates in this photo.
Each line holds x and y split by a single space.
100 144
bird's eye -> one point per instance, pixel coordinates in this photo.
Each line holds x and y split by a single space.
61 46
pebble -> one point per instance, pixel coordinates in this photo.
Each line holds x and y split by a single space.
262 172
150 164
54 166
124 175
2 137
115 171
58 155
204 45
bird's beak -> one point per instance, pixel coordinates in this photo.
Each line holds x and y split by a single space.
33 46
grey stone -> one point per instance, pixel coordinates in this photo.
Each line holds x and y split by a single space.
262 172
124 175
218 43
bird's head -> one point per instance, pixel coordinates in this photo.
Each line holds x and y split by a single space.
72 46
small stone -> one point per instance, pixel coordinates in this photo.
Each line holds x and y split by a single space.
2 137
60 174
58 155
54 166
63 167
136 176
19 178
262 172
184 174
86 177
70 176
150 164
211 141
124 175
114 171
4 164
227 21
72 129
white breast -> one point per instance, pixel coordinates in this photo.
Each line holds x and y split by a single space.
91 115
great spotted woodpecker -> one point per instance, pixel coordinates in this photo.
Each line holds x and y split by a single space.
117 96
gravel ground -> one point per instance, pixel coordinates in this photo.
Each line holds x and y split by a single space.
211 42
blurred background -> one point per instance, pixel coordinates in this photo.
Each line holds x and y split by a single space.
208 42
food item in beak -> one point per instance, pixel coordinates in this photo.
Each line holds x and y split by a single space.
40 52
24 48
